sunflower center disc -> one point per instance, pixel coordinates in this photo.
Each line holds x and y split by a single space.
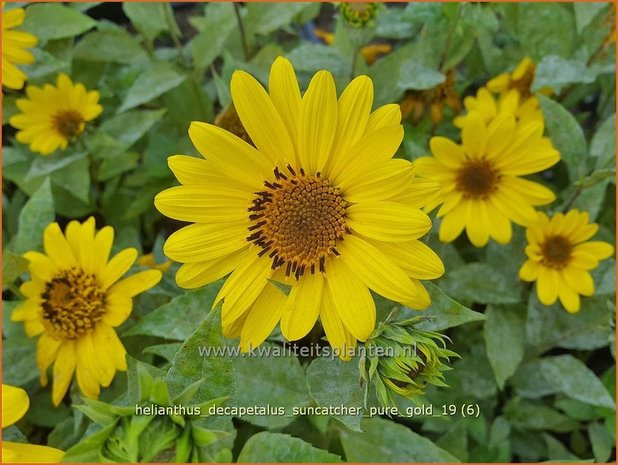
72 304
68 123
556 251
298 221
477 179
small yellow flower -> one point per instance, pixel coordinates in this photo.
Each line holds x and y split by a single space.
489 106
14 45
53 115
149 261
74 301
416 102
318 204
520 79
15 404
560 257
482 189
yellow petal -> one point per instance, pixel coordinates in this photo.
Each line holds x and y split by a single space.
529 271
86 372
285 95
387 221
447 152
568 297
386 115
354 107
137 283
336 333
64 367
203 204
232 156
202 242
117 266
41 266
197 171
600 250
194 275
56 246
262 318
261 120
15 404
302 307
317 122
453 223
114 349
118 307
243 286
16 452
102 247
351 300
547 285
414 257
376 270
474 135
46 352
579 280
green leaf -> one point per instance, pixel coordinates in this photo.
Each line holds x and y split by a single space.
148 18
282 448
155 81
335 382
545 29
601 441
42 166
555 72
219 22
190 366
385 441
529 384
33 219
116 46
444 312
43 19
128 127
552 326
585 13
603 144
414 75
575 380
482 283
166 351
528 415
556 451
19 361
264 18
567 136
277 381
310 58
505 337
178 318
13 266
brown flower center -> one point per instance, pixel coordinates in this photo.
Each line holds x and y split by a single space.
298 220
73 303
556 251
69 123
477 179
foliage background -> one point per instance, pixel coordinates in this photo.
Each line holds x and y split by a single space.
544 379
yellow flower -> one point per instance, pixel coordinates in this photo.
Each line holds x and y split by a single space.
416 101
51 116
74 301
14 45
15 404
510 102
560 257
520 79
149 261
318 205
482 189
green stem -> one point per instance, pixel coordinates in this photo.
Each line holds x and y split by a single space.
241 29
170 24
449 37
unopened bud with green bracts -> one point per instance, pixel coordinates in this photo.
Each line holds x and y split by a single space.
401 359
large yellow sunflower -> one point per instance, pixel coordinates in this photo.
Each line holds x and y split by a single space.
74 302
15 404
318 205
53 115
560 257
482 189
14 45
